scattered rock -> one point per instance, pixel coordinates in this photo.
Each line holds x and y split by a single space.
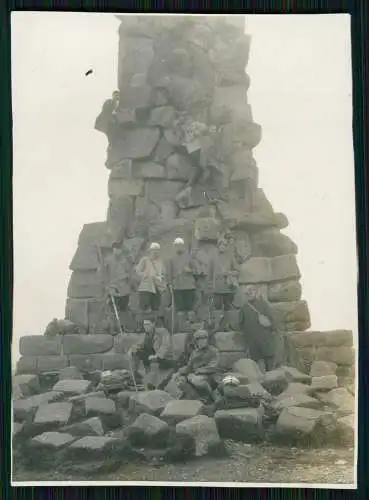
96 407
39 345
340 398
175 411
90 427
299 400
90 448
294 389
243 424
275 381
51 441
324 383
139 143
346 429
249 369
322 368
70 373
148 430
204 432
87 344
294 375
152 402
298 423
72 387
25 409
53 415
28 384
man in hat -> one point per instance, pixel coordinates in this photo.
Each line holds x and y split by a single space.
260 324
156 347
151 273
107 122
202 370
118 277
180 274
224 276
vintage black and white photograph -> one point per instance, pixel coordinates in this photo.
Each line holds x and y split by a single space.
185 264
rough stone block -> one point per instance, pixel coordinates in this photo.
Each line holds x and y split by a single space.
162 152
51 363
124 170
87 344
114 361
176 411
340 398
162 116
80 399
90 427
148 430
77 311
242 424
139 143
159 191
207 229
17 430
292 311
232 319
334 338
249 369
149 170
90 448
136 97
264 269
120 188
26 365
39 345
271 243
179 168
51 442
340 355
70 373
16 392
295 423
228 359
294 375
295 389
92 234
87 363
122 343
203 431
322 368
85 259
72 387
25 409
85 284
151 402
299 400
98 406
346 428
275 381
29 384
52 415
230 341
173 389
285 292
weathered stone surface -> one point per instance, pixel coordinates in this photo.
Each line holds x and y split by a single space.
339 398
87 344
85 259
175 411
162 116
322 368
90 427
257 391
136 56
122 343
98 406
70 373
249 369
264 269
173 389
72 387
228 359
207 229
16 392
230 341
284 292
346 428
85 284
26 365
51 441
178 168
138 143
340 355
272 243
51 363
138 96
39 345
124 170
294 375
159 191
25 409
149 170
151 402
87 363
297 423
28 384
162 151
90 448
78 311
235 102
295 389
148 430
299 400
292 311
80 399
119 188
334 338
92 234
203 431
49 416
115 361
275 381
17 430
243 424
324 383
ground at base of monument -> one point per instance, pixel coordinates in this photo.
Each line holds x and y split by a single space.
246 463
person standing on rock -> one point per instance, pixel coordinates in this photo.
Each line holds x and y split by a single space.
156 347
180 273
118 278
202 368
260 324
151 272
224 277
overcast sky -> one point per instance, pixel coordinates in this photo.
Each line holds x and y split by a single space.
300 68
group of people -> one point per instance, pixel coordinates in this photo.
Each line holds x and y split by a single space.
182 273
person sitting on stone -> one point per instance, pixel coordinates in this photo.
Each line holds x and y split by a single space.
118 278
224 277
156 347
260 324
202 368
151 272
180 273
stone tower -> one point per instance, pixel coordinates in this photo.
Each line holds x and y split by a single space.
181 164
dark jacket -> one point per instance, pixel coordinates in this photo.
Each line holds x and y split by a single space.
181 269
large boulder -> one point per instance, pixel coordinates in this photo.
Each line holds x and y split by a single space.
28 384
53 415
230 341
340 399
151 402
275 381
87 344
90 427
300 424
148 430
243 424
175 411
248 368
90 448
72 387
324 383
25 409
39 345
204 433
299 400
323 368
42 451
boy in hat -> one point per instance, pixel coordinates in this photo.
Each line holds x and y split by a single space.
118 277
181 278
150 271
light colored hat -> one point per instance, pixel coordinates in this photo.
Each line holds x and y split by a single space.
230 380
178 241
154 246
